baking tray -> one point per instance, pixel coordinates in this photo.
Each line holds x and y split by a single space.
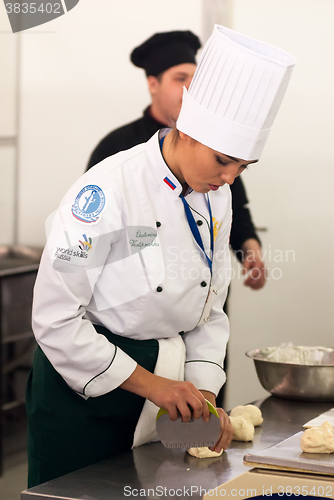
287 455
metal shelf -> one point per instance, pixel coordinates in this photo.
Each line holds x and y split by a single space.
16 337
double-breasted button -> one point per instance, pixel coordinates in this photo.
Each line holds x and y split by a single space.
203 284
199 222
159 289
158 224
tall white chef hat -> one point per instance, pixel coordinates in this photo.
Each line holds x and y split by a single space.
235 94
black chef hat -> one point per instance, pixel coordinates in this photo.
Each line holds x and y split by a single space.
164 50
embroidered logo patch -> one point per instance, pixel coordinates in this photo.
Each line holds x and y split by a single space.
89 204
169 183
73 248
216 227
86 244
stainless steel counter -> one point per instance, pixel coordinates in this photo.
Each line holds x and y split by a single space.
162 471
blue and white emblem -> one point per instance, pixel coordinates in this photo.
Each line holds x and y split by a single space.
89 204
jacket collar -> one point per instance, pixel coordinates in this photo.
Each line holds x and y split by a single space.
160 169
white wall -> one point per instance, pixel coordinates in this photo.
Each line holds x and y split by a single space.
291 193
8 97
8 62
77 84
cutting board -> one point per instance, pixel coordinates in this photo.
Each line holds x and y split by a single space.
288 455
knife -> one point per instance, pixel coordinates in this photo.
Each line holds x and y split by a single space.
195 433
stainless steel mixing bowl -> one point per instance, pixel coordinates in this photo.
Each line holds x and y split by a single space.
299 382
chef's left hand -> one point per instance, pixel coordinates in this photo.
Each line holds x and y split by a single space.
253 264
226 429
226 432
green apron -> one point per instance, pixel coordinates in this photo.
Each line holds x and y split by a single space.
67 432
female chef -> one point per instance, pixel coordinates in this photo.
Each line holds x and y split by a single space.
128 299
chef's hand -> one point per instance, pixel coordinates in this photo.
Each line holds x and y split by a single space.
226 429
253 264
226 432
175 396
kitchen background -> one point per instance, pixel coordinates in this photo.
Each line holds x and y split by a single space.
65 84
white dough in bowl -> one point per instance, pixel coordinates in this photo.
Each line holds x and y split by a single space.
318 439
203 452
248 412
243 430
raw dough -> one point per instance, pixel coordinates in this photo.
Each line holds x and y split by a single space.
243 430
203 452
243 420
248 412
318 439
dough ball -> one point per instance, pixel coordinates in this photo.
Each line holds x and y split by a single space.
248 412
243 430
203 452
318 439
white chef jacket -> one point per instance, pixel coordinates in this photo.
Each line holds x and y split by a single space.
121 254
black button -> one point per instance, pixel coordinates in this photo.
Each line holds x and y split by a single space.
203 283
159 289
181 333
199 222
158 224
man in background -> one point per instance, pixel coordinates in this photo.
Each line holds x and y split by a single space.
169 61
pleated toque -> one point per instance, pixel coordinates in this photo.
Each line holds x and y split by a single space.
235 94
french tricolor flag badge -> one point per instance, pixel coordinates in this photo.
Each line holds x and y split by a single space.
169 183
